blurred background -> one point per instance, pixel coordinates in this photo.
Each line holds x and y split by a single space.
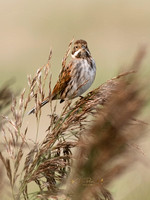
114 31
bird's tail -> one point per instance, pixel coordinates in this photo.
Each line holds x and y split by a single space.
42 104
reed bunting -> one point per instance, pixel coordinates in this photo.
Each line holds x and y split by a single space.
76 77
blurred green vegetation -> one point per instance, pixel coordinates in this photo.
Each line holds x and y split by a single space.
113 29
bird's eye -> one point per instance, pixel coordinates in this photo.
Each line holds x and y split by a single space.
76 47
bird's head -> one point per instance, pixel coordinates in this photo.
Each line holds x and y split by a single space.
80 49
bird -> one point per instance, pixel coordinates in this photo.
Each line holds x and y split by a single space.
76 77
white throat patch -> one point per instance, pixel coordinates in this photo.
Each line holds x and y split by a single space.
75 54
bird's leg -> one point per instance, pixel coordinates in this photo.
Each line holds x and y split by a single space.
81 97
62 100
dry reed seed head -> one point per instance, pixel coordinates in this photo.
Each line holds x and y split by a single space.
39 71
29 80
17 114
9 173
40 89
22 98
39 83
33 83
50 56
42 96
13 105
27 100
6 163
33 86
13 139
30 158
46 71
67 53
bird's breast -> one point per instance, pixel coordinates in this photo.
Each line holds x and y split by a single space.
84 74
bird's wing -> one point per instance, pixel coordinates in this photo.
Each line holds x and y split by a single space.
62 83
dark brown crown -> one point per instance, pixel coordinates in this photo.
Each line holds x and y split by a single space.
81 44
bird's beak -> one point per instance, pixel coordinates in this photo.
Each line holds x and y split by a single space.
83 47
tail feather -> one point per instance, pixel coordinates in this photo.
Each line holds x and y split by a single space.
42 104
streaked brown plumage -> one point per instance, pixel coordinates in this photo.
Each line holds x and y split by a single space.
76 77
